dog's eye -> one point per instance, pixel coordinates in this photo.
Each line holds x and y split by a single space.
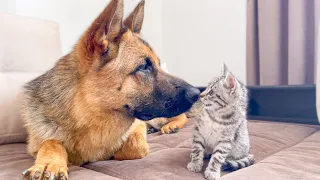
146 67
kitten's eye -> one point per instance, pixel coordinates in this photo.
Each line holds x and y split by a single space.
211 92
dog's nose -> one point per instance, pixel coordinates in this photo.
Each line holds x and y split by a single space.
192 94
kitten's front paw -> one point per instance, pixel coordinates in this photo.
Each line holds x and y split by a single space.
194 167
211 175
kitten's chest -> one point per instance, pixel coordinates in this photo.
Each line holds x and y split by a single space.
211 133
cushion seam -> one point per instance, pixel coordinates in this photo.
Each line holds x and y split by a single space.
14 134
12 177
289 167
268 138
113 173
182 142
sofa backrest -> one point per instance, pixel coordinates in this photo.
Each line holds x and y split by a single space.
28 47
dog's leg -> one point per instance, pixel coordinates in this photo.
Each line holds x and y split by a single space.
175 124
135 146
51 162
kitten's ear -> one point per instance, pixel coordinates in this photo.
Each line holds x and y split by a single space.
224 70
230 82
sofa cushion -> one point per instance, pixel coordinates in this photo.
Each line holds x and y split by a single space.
14 160
301 161
283 151
28 44
28 47
170 153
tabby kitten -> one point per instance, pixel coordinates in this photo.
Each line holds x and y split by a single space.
221 128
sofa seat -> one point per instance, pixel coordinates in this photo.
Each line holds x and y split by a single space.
299 162
14 159
283 152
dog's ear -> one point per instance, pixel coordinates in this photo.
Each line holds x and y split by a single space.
135 20
105 29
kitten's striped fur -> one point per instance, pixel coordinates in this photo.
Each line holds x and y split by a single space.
221 128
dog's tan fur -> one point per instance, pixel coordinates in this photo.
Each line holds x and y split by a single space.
172 125
83 109
168 125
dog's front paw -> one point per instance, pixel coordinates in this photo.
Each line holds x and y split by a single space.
169 128
130 155
211 175
48 171
134 148
194 167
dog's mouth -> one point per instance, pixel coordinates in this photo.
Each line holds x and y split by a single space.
171 111
166 107
143 116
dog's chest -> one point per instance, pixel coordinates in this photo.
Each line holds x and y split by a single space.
98 143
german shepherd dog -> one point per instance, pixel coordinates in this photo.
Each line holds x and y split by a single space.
84 109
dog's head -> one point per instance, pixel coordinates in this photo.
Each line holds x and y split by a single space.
121 72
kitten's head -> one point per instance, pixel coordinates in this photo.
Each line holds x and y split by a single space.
222 91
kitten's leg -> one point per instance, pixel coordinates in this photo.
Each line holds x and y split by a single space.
219 155
197 153
239 156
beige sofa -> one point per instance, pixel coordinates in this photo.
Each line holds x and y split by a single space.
28 47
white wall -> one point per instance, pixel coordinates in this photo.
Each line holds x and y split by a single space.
3 5
194 37
199 35
7 6
74 16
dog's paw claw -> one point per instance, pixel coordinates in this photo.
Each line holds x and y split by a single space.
37 174
152 130
46 172
174 130
26 172
169 129
62 176
46 175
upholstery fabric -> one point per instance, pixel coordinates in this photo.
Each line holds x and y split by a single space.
282 152
14 160
28 47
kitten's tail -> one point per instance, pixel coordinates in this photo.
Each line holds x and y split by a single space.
233 165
